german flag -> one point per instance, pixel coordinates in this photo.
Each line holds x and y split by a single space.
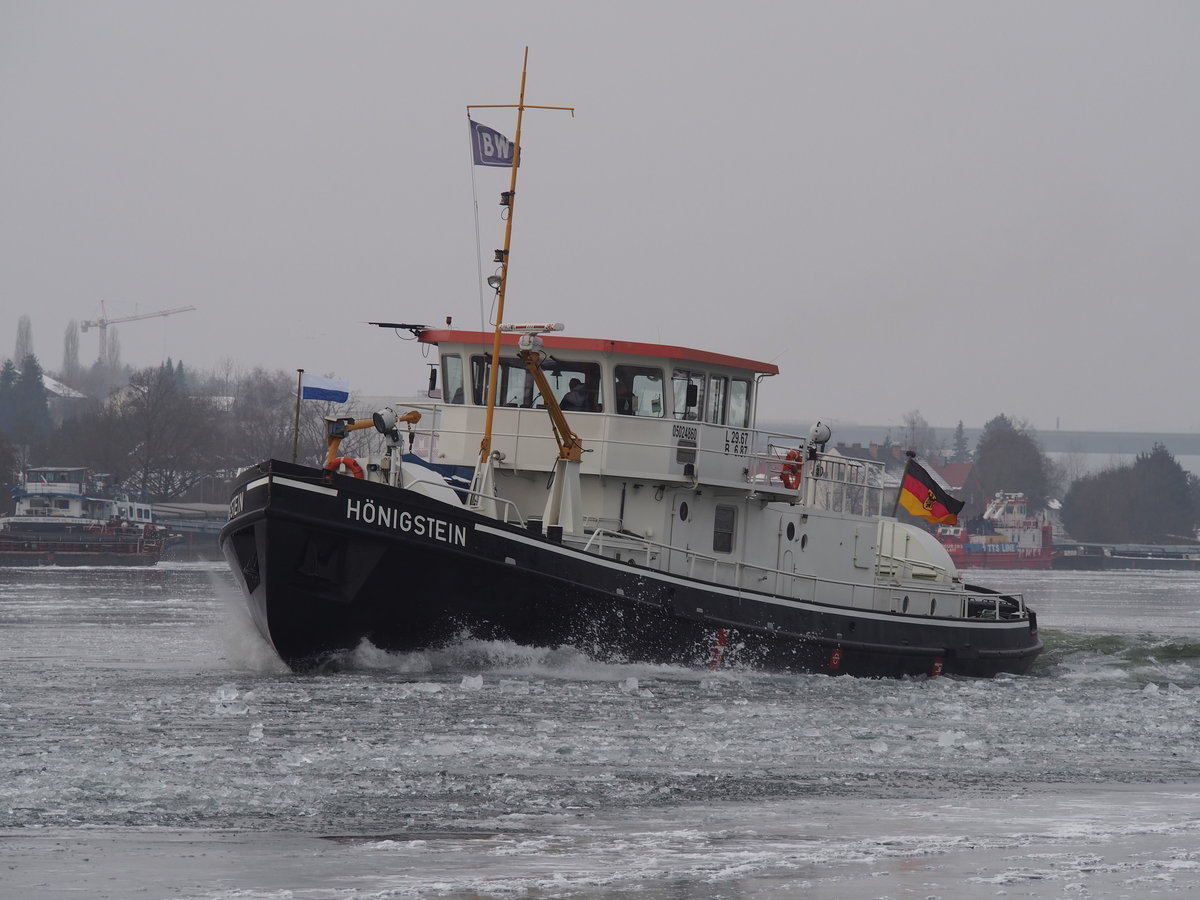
921 496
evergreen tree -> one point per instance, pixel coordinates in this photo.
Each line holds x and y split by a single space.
30 404
8 400
1009 458
961 452
9 474
1154 500
1168 512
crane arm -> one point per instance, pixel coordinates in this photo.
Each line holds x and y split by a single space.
570 446
104 320
337 430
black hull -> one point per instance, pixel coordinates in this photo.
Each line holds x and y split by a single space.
321 573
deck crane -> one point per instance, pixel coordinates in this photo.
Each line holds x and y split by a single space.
104 321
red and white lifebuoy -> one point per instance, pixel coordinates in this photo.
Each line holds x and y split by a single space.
349 462
792 470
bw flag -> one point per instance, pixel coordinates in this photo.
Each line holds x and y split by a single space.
489 147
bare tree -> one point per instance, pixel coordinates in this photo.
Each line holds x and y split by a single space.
920 437
263 415
170 433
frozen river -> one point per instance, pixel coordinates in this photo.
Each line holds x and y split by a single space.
151 746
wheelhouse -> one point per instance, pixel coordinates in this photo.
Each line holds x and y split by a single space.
639 408
618 377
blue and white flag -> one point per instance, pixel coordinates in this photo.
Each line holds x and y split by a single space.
490 147
315 387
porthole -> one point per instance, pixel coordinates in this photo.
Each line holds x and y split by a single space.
683 511
904 605
791 531
803 541
933 606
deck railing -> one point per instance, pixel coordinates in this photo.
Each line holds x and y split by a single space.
829 481
790 585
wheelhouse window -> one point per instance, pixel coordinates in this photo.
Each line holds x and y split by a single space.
688 388
724 528
739 403
514 387
638 391
718 398
452 378
576 385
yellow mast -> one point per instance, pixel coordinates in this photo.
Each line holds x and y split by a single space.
485 445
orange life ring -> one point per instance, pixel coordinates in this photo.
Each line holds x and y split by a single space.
349 462
792 469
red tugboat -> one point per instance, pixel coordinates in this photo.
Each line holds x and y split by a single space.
1008 536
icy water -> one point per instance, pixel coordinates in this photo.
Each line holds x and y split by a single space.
150 746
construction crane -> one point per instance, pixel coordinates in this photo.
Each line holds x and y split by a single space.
104 321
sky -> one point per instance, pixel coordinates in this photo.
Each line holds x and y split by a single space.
955 208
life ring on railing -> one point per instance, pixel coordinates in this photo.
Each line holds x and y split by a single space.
349 462
792 470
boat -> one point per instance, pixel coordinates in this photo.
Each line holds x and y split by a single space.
1106 557
1007 536
66 516
639 514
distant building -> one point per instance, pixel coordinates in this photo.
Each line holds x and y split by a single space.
891 455
957 476
63 402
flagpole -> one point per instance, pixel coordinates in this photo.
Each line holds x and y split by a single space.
296 422
485 446
896 506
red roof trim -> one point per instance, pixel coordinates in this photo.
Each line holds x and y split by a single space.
600 345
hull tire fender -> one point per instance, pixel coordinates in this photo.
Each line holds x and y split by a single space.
349 462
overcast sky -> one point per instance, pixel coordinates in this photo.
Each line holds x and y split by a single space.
959 208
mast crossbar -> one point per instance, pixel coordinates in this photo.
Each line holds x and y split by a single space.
569 109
